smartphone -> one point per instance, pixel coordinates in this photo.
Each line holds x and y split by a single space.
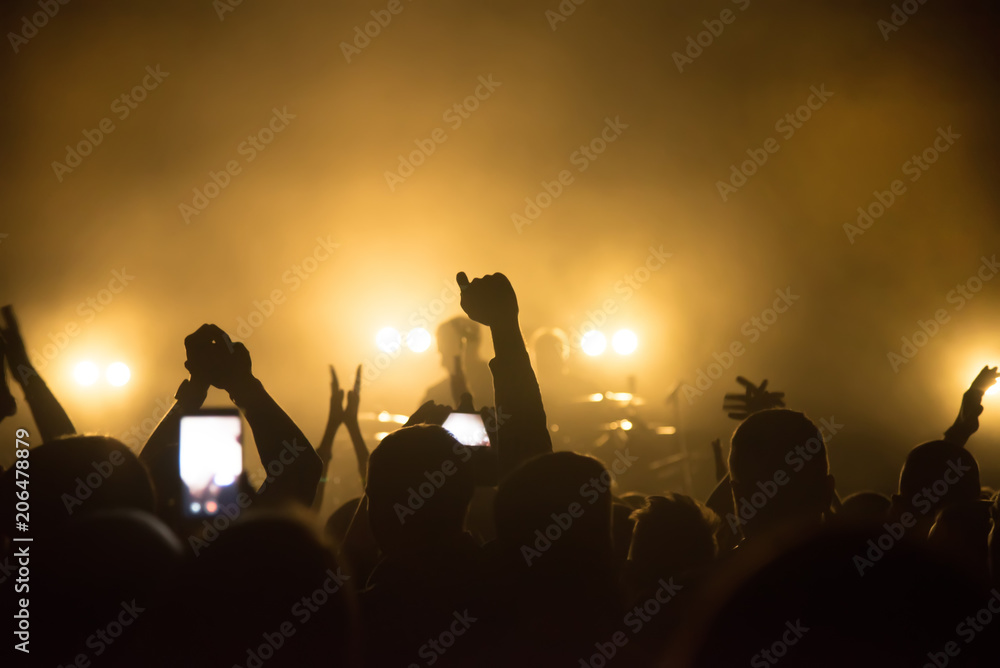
467 428
211 460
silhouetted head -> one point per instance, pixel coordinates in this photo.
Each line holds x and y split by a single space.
112 565
419 486
77 475
674 534
266 573
935 475
562 498
550 349
864 507
822 603
779 471
454 336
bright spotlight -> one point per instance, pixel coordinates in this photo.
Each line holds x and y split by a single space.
118 374
388 340
418 340
593 343
625 342
625 424
993 389
86 373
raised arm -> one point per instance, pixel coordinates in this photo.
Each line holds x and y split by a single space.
491 301
967 422
354 429
49 415
334 419
293 468
348 416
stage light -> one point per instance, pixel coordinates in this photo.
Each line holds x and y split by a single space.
86 373
593 343
418 340
211 506
625 424
388 340
596 396
625 342
118 374
992 389
384 416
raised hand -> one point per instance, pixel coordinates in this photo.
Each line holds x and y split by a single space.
489 300
213 358
350 412
754 400
336 398
985 379
967 422
429 413
49 415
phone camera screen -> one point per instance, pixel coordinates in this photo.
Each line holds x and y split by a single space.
211 460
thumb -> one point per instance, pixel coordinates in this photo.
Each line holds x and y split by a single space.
462 279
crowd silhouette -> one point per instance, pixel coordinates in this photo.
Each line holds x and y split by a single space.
511 554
